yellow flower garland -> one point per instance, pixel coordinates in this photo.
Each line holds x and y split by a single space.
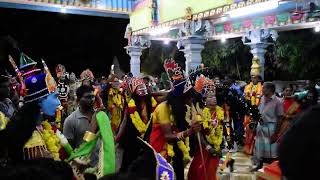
51 140
58 118
215 135
183 146
136 119
3 121
249 89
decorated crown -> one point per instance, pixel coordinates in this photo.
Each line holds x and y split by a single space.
204 85
134 83
87 75
36 84
173 69
28 66
180 83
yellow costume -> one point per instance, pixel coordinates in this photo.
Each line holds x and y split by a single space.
253 93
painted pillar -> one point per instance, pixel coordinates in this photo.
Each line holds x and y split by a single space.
130 5
109 4
125 5
134 53
258 40
120 5
114 5
193 45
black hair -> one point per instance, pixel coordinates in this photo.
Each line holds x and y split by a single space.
82 90
298 153
138 100
178 107
270 86
289 86
18 131
39 169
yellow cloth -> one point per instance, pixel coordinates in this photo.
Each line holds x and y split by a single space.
162 114
253 93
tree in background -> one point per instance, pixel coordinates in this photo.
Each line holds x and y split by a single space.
231 57
295 55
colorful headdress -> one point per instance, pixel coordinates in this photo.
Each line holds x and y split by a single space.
37 84
87 75
204 85
134 83
173 70
180 83
28 66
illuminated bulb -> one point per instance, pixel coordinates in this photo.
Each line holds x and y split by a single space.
63 10
223 40
166 41
317 29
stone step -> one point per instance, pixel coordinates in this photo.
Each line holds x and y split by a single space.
237 176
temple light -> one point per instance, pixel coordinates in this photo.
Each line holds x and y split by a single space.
317 28
63 10
255 8
166 41
159 31
223 40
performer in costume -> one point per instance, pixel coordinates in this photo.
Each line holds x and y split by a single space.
138 119
253 93
211 135
73 85
41 90
170 130
63 90
115 101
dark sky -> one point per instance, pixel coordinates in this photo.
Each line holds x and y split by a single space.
76 41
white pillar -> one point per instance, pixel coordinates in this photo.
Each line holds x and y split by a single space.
258 42
258 50
134 53
193 45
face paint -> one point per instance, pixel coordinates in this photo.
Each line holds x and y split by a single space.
141 90
50 104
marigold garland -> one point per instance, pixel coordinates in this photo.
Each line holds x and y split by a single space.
51 140
251 91
216 134
135 116
183 146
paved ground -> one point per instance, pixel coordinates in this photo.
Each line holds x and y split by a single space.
242 167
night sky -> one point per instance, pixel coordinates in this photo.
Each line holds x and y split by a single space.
76 41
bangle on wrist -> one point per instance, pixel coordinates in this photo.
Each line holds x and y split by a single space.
88 136
208 147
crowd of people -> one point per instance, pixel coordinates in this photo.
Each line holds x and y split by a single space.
127 127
